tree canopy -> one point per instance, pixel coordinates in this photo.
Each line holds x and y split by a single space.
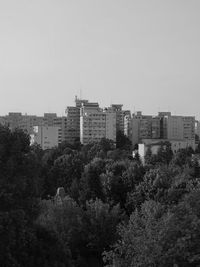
114 211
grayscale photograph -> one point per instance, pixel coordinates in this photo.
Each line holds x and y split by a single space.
99 133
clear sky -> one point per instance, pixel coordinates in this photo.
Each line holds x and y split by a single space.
144 54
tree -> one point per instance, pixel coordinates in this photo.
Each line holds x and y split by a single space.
90 183
148 156
165 153
84 233
65 220
123 141
18 173
180 238
101 227
139 239
121 177
156 236
197 150
20 190
63 171
97 149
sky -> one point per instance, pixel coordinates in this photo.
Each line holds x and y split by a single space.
144 54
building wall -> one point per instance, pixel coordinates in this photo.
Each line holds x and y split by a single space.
72 127
117 108
93 127
181 128
175 144
120 115
198 129
142 150
141 127
111 126
189 128
145 130
96 123
127 126
92 123
156 128
46 136
175 128
28 122
163 126
13 120
134 132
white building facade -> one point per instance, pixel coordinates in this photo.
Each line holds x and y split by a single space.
96 123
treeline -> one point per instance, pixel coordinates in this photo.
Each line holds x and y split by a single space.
116 212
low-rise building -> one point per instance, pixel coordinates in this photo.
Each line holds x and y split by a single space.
154 146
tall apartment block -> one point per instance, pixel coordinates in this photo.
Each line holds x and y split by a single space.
140 127
72 124
96 123
120 116
72 121
178 127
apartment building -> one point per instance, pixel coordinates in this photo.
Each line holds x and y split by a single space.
72 124
127 125
175 128
27 122
96 123
13 119
110 125
179 127
79 102
92 123
46 136
72 120
141 127
117 108
156 127
189 127
163 126
51 119
120 116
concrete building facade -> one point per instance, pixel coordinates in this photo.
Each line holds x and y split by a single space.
46 136
96 123
121 116
162 126
72 126
110 125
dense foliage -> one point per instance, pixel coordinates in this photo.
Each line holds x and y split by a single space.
116 212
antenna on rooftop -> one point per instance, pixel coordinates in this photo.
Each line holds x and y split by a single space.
80 93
